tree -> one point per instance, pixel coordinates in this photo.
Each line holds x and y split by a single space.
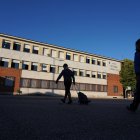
127 74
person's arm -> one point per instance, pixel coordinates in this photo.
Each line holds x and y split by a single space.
60 75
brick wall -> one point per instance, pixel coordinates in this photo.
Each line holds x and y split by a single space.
13 73
114 80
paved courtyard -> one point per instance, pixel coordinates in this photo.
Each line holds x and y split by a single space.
46 118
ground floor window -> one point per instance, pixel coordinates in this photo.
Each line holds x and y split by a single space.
50 84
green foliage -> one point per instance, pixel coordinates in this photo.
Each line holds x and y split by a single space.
127 74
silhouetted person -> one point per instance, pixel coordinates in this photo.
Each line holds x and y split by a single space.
68 76
134 105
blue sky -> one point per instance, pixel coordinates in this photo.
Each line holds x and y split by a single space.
104 27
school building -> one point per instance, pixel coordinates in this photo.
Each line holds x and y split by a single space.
29 67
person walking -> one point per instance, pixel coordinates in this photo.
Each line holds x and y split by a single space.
68 76
134 105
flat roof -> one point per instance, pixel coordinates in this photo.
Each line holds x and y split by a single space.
56 46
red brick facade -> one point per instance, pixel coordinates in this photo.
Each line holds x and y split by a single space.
113 81
16 73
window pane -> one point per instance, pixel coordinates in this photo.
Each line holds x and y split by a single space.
16 46
25 82
6 44
35 83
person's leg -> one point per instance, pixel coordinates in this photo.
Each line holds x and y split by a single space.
67 91
134 105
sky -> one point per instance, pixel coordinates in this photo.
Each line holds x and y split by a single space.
104 27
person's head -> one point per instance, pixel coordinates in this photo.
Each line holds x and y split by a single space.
138 45
65 66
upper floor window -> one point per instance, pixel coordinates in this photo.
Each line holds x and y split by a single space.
93 61
35 49
88 60
46 52
81 73
16 46
25 65
61 55
75 57
88 73
44 67
104 63
94 74
60 69
4 62
34 66
104 75
99 63
75 71
99 75
15 64
82 59
68 56
27 48
54 53
52 69
6 44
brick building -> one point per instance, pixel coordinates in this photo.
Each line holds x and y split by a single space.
32 67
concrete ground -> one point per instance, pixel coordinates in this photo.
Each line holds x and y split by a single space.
46 118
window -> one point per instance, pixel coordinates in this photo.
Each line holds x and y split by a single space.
82 86
6 44
15 64
4 62
93 87
54 53
25 82
88 87
88 73
75 57
104 75
87 60
61 55
115 89
104 88
99 75
35 50
45 84
52 69
60 85
60 69
99 88
35 83
99 63
104 63
82 59
44 67
75 71
68 56
26 48
81 73
34 66
94 74
46 52
53 85
25 65
93 61
16 46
